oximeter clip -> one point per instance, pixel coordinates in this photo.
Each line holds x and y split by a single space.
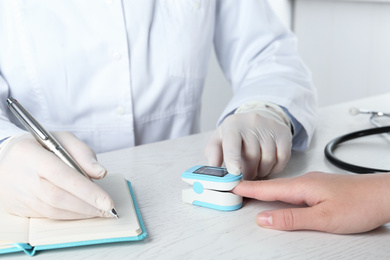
211 188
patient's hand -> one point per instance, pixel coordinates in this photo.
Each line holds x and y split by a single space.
335 203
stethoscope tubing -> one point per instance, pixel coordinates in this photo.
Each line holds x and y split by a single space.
332 145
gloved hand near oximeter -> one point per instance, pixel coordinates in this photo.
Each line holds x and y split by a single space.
256 140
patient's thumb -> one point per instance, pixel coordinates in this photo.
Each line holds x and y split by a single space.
288 219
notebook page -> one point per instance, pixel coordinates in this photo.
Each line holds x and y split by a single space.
47 232
13 229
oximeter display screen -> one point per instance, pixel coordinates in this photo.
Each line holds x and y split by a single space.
212 171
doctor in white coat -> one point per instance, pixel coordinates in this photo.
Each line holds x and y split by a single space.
105 75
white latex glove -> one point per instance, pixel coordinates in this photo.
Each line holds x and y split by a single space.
256 140
36 183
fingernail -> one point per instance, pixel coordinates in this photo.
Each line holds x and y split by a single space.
264 219
99 169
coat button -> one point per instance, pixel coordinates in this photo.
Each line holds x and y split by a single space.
120 110
117 56
196 5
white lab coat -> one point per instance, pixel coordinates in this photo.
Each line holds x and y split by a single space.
124 73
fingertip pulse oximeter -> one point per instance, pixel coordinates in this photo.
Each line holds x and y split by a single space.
211 188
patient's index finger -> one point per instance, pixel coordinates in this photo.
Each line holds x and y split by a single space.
270 190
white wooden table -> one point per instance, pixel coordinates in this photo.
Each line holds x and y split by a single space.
181 231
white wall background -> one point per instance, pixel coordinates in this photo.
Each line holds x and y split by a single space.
217 92
346 45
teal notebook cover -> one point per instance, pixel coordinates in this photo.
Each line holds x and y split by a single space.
29 250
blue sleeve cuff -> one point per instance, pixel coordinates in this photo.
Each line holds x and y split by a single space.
295 125
2 140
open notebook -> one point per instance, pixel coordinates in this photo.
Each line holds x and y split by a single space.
33 234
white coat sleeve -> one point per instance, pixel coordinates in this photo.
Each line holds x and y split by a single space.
7 128
259 58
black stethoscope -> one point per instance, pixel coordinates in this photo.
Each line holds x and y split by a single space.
332 145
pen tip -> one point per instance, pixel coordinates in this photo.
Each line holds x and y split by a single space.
114 213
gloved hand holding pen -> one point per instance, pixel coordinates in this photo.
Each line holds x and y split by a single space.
256 140
49 186
36 183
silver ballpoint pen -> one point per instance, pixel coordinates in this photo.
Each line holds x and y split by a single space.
45 138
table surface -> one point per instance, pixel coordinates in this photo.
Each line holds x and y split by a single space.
177 230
